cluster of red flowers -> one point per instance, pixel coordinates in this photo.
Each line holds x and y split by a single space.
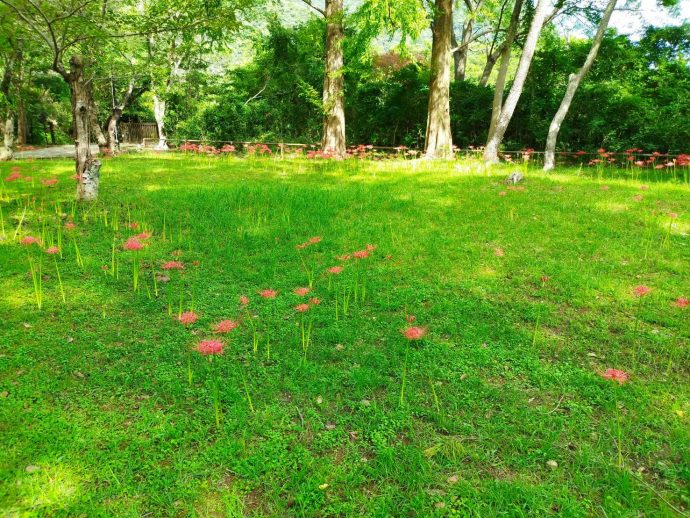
206 149
133 244
258 149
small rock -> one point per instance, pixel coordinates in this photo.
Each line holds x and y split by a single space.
70 339
552 464
339 347
79 375
319 400
32 469
440 505
27 325
330 426
323 486
593 355
452 479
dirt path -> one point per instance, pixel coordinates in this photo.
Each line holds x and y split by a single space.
66 151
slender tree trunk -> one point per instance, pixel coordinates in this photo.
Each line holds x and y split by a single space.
501 125
489 66
505 52
159 115
439 141
573 83
111 131
21 122
333 82
462 52
96 130
456 54
7 150
52 124
88 169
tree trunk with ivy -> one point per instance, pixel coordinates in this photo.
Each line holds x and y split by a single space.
333 82
439 140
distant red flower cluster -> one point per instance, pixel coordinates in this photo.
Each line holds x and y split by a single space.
311 241
258 149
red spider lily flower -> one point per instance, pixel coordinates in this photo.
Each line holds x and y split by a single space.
314 240
15 175
616 375
410 318
144 235
50 182
52 250
195 263
345 257
659 166
335 270
360 254
75 177
105 267
173 265
604 187
644 187
414 333
545 278
370 248
682 302
301 246
133 244
268 294
302 308
502 193
388 257
176 253
499 252
244 300
210 347
70 226
301 292
672 215
225 326
641 290
315 301
188 318
638 197
30 240
133 225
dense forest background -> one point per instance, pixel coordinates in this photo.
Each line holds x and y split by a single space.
636 95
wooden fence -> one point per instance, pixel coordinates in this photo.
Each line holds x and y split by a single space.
136 132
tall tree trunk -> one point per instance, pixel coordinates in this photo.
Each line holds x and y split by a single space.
508 108
462 52
439 140
505 52
333 82
573 83
88 169
7 150
159 115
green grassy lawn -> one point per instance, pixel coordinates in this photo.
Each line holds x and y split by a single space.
504 410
